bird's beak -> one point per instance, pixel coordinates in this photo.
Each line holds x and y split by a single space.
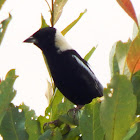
30 40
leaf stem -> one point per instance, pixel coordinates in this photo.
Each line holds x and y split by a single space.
52 14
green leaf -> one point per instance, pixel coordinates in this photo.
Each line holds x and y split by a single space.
1 3
64 128
131 132
121 55
60 107
91 118
54 104
48 112
42 120
136 136
57 10
32 125
63 107
136 88
118 58
3 27
11 75
44 24
114 68
69 118
73 134
7 93
47 135
118 108
57 134
13 125
89 54
73 23
51 135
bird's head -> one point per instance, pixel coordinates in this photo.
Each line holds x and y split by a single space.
43 38
47 38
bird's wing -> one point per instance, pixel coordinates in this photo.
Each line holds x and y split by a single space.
84 65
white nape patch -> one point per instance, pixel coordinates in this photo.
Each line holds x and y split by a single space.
61 43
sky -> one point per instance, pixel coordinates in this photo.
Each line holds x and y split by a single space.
104 23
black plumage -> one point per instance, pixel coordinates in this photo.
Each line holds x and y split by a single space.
71 73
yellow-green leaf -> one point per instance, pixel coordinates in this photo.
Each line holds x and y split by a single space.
44 24
1 3
73 23
89 54
136 136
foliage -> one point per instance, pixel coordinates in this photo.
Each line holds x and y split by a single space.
7 92
73 23
3 27
118 108
1 3
117 117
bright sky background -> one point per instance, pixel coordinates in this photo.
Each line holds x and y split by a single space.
104 23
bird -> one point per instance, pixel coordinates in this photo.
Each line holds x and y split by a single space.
71 74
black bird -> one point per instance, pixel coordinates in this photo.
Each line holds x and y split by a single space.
70 72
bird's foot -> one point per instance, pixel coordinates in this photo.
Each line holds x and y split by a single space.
75 109
74 112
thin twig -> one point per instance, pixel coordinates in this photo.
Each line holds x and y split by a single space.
52 13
